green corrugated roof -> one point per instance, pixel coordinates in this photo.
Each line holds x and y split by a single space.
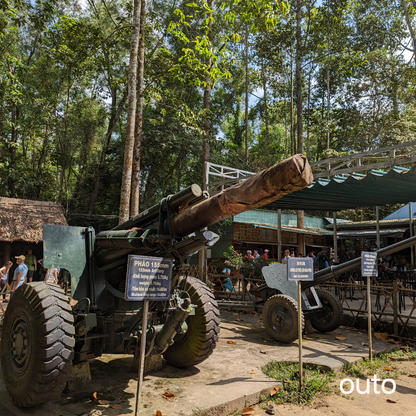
268 219
377 188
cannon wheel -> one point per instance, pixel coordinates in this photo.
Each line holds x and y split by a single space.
280 318
330 317
37 343
199 341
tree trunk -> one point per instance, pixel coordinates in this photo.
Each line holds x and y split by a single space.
292 121
266 116
131 118
206 145
299 76
135 185
410 27
246 63
285 120
114 116
39 174
309 115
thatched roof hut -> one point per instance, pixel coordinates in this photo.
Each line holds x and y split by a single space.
22 220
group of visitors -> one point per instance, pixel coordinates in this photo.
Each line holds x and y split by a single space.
251 256
24 272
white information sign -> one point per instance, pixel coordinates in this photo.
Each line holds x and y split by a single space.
369 264
300 269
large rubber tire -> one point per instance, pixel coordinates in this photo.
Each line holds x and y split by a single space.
200 340
37 341
330 317
280 318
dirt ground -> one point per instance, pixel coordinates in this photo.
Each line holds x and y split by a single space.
400 403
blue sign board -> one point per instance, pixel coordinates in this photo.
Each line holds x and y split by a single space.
369 264
148 278
300 268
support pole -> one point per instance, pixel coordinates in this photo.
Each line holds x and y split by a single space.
300 334
370 338
412 257
142 355
7 248
279 235
378 228
335 237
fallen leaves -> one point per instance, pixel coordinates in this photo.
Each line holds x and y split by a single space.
159 413
231 342
168 396
253 372
412 375
389 369
104 401
381 336
341 338
239 319
116 406
364 344
248 411
390 401
274 391
94 395
233 329
262 352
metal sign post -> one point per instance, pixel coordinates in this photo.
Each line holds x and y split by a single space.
369 269
300 269
148 278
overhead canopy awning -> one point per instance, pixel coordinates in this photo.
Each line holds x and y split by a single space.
370 233
377 188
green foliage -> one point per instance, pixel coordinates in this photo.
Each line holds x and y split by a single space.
234 257
63 75
383 364
315 381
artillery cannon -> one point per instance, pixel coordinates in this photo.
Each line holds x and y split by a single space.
320 306
44 332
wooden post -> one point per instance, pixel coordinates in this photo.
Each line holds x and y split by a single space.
378 228
142 356
395 306
7 248
279 235
335 237
412 258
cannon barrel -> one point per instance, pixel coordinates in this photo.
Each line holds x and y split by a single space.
333 271
261 189
187 195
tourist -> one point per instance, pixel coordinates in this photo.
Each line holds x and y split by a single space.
265 255
250 256
19 276
322 260
31 265
4 278
286 256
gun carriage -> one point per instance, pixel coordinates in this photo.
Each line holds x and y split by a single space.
44 332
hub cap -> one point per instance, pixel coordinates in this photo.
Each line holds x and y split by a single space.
281 319
20 346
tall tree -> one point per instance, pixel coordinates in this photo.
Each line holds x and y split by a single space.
131 117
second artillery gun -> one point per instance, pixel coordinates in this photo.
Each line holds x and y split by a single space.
44 332
321 307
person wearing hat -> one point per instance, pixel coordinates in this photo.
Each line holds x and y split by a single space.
20 273
250 257
265 255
